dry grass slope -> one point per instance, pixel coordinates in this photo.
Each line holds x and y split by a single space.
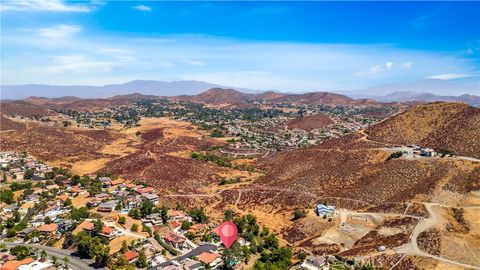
453 126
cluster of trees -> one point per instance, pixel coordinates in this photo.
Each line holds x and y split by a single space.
298 214
21 252
262 241
228 181
445 152
78 214
6 196
279 258
17 185
221 161
395 155
212 158
93 247
148 208
198 215
216 133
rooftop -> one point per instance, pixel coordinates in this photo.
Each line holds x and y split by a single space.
207 257
48 227
12 265
130 255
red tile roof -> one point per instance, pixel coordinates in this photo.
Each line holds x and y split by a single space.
174 224
130 255
87 225
12 265
107 230
116 182
48 227
196 228
207 257
145 190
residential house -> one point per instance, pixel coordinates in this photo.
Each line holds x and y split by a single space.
102 196
175 240
116 182
209 258
87 226
107 206
154 218
145 190
25 232
427 152
15 264
324 210
174 224
314 262
178 215
151 197
105 179
131 256
198 228
108 232
11 208
38 176
189 264
48 229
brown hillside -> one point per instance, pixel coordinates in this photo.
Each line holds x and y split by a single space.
343 176
87 104
315 98
453 126
22 108
220 96
52 143
310 122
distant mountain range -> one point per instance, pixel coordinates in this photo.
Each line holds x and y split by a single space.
157 88
420 90
427 97
433 86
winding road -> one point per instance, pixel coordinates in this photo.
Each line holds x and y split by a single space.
425 224
74 263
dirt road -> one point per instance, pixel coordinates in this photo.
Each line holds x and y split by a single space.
425 224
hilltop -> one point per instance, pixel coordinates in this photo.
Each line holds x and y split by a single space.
22 108
452 126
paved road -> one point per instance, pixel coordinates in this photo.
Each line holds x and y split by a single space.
74 262
195 252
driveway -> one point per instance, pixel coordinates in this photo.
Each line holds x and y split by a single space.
194 252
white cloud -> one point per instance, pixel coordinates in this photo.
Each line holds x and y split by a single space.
142 8
77 64
59 31
407 65
43 5
382 68
450 76
289 66
375 69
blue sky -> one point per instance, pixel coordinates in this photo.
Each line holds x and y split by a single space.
293 46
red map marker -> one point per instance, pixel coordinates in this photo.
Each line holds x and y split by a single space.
228 233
